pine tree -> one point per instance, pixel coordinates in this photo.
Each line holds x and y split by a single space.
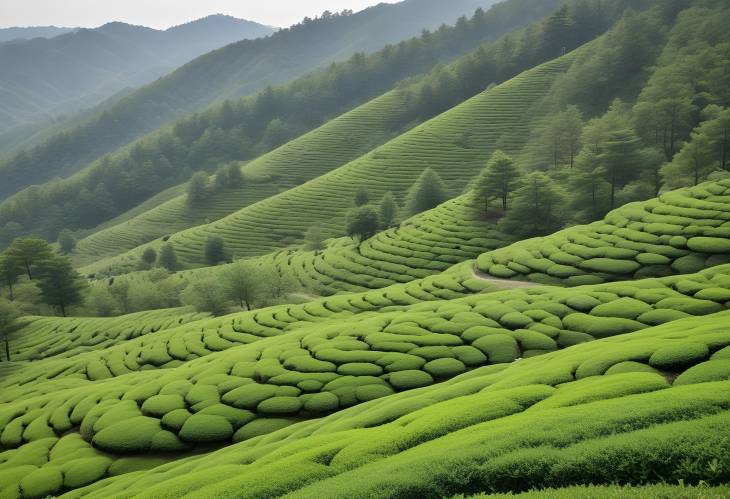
61 286
197 191
498 180
388 211
536 209
621 159
362 223
215 250
428 192
29 253
168 258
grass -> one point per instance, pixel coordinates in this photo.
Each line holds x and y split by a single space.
456 144
536 423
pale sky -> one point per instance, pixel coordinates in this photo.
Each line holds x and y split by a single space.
165 13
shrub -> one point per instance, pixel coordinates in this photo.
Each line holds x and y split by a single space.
175 420
444 368
45 481
372 392
709 245
679 356
259 427
407 380
360 369
159 405
166 441
611 266
322 402
626 308
133 435
630 367
713 370
280 405
84 471
205 428
499 348
215 250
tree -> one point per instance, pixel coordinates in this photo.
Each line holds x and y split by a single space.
10 272
563 136
275 284
536 209
428 192
61 286
149 256
120 291
29 253
588 187
215 250
8 317
362 197
101 302
234 176
197 191
242 283
314 239
693 163
362 223
388 211
206 295
66 241
167 257
621 159
499 179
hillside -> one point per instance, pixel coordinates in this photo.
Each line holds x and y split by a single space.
491 261
332 145
240 69
27 33
82 68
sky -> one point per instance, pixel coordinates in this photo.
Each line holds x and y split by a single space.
164 13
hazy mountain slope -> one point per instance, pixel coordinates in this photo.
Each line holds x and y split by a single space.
18 33
239 69
42 77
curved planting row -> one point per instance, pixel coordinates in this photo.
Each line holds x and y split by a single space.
680 232
334 144
45 337
424 245
456 144
584 407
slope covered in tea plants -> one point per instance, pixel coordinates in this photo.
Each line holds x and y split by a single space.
663 386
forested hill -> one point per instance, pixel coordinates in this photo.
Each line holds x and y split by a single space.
18 33
45 77
239 69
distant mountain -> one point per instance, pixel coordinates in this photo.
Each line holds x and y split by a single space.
239 69
45 77
15 33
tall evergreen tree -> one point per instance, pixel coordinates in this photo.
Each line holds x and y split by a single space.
388 211
362 223
8 316
621 160
29 253
428 192
61 286
536 209
168 257
498 180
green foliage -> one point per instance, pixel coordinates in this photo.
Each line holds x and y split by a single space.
388 211
362 223
215 250
168 257
362 197
197 190
314 239
428 192
149 256
66 241
500 177
536 209
29 253
206 295
61 286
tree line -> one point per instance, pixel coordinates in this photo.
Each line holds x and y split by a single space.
240 130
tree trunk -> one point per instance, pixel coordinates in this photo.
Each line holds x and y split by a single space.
7 348
10 291
27 270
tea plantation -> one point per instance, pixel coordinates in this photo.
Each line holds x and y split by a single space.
594 411
456 144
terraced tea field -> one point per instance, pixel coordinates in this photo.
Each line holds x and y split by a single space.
665 386
680 232
334 144
456 144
